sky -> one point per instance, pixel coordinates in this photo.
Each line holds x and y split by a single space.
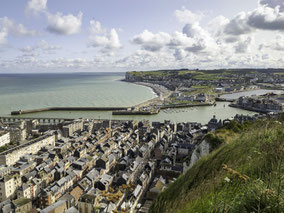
124 35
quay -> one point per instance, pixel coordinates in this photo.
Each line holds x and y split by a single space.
185 105
20 112
224 99
133 112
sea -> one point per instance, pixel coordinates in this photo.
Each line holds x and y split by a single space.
32 91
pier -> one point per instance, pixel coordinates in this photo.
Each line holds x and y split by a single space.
186 105
21 112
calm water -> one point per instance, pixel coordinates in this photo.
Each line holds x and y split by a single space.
30 91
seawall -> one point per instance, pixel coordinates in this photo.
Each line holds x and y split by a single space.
20 112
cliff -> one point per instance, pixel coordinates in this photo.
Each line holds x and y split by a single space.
244 174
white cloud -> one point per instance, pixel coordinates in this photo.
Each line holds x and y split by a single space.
217 24
180 54
27 49
180 39
42 46
243 46
108 41
277 44
3 35
266 18
150 41
273 3
95 27
64 24
15 29
269 15
186 16
36 6
238 25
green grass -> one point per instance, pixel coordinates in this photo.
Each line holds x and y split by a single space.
184 72
209 90
210 77
184 102
200 87
255 150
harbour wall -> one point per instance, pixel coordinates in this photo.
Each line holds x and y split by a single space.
20 112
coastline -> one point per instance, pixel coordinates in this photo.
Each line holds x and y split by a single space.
156 88
161 92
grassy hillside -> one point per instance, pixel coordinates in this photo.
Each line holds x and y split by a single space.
245 174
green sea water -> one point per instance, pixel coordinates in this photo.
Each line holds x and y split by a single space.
31 91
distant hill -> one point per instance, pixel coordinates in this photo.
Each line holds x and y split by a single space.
245 174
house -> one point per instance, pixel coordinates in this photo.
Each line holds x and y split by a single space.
22 205
76 193
159 184
184 149
57 207
6 206
80 165
201 97
87 203
8 186
166 164
104 182
69 199
121 178
103 163
72 210
80 152
93 175
27 191
214 124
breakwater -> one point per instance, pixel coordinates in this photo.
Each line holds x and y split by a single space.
224 99
185 105
135 112
20 112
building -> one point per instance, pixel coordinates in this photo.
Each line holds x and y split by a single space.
58 207
11 156
70 128
8 186
23 205
4 138
87 203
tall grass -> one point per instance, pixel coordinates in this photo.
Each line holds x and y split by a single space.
217 182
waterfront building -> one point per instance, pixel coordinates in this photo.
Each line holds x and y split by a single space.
11 156
4 138
72 127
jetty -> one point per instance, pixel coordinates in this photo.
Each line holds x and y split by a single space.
20 112
186 105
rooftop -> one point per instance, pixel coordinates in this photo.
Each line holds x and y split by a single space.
21 201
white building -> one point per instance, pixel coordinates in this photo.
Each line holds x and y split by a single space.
11 156
8 186
4 138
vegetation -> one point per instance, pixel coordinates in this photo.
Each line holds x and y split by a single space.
245 174
4 148
201 89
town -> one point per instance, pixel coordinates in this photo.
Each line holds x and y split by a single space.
66 165
191 88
